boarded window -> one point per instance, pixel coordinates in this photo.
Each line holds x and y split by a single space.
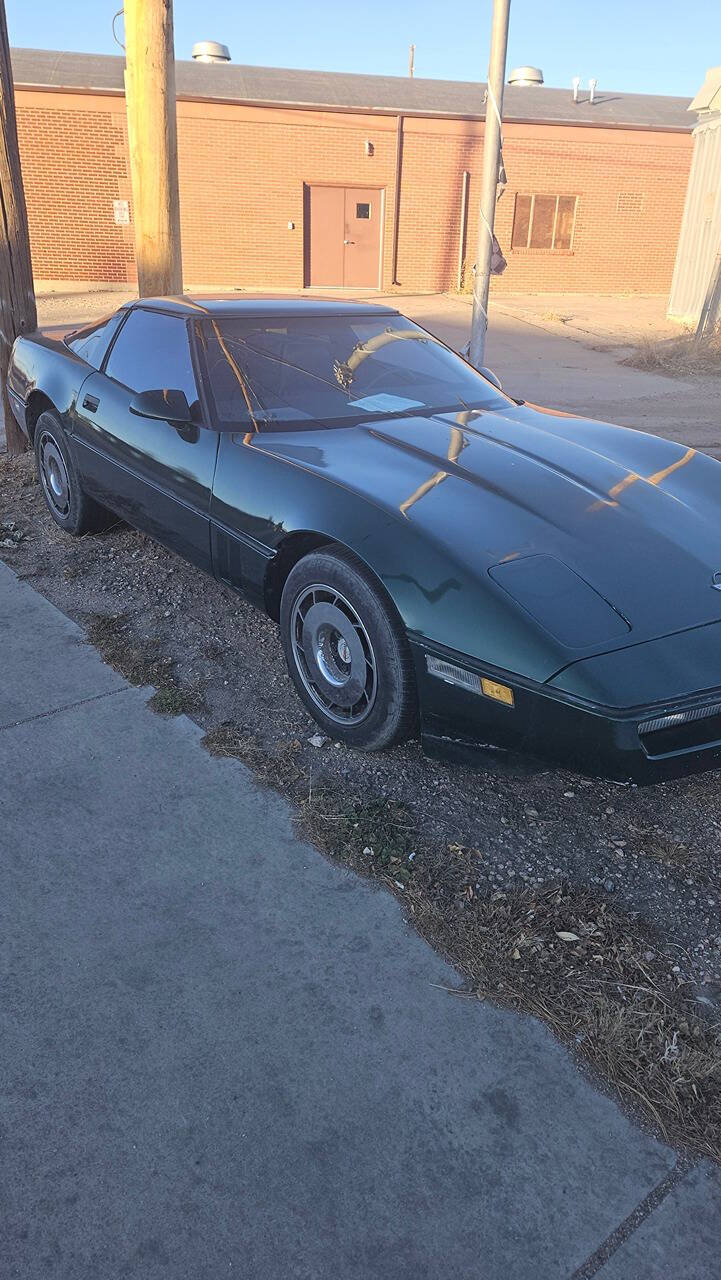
543 222
565 218
521 221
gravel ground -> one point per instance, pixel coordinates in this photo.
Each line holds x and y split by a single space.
653 851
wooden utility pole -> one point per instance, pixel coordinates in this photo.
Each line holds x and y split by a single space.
489 182
152 135
17 298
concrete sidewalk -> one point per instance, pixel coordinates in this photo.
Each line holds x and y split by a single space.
221 1055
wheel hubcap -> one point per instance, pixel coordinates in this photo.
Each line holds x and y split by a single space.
54 476
333 654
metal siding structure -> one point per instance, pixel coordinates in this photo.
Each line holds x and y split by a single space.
700 239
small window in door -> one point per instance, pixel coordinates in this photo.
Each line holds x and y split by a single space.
362 211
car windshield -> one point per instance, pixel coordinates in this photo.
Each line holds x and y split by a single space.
333 371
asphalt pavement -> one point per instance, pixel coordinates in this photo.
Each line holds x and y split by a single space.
220 1055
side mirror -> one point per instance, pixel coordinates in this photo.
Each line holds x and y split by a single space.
491 377
167 406
488 374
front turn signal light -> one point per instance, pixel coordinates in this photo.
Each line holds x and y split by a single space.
464 679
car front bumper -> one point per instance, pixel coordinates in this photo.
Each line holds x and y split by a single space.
642 744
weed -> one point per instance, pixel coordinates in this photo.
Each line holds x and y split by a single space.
171 700
279 769
555 318
678 357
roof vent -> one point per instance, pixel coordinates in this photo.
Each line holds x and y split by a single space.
210 51
525 76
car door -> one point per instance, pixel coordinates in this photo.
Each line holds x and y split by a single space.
157 476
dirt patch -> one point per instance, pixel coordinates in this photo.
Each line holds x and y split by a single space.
555 317
679 357
136 658
488 861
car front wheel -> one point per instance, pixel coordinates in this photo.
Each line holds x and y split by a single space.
67 502
346 651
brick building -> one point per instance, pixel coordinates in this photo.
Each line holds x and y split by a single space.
291 178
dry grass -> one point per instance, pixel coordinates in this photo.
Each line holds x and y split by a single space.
679 357
140 664
602 981
279 770
172 700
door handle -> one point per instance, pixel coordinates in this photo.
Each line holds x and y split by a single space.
349 242
91 403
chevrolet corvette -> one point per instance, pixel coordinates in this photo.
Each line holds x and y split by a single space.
440 557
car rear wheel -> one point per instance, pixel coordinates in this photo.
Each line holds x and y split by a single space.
67 502
346 651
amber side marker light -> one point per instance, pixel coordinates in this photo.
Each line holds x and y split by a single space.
500 692
463 679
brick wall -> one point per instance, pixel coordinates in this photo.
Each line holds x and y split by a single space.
74 158
613 251
242 174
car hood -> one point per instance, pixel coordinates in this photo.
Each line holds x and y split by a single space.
635 516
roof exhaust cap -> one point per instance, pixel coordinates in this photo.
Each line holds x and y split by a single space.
576 84
592 87
210 51
523 76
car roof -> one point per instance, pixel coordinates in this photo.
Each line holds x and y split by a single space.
252 304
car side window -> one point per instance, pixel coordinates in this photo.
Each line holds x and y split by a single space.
152 352
91 342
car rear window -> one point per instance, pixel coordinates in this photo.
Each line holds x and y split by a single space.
310 371
92 342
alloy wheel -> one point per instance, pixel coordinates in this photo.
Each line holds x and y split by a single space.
333 654
54 475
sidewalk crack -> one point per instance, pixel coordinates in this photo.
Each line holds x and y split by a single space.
69 706
636 1217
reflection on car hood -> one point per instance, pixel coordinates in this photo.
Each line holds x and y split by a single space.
636 516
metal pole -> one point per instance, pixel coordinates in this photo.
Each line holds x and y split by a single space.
489 182
397 200
462 232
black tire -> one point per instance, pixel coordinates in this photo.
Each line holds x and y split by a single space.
346 651
67 502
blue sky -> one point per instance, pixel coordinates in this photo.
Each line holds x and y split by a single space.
644 46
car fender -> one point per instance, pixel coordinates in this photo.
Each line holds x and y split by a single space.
43 367
267 510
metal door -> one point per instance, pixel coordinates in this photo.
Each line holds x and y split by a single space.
361 240
345 227
153 474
